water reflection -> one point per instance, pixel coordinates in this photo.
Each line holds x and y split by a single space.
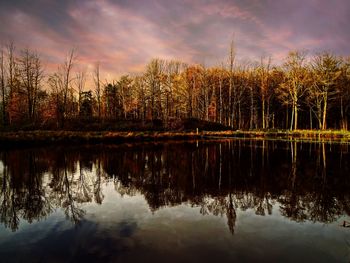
304 181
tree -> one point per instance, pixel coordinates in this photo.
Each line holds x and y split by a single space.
265 92
293 86
193 77
60 83
343 90
31 74
153 81
86 104
214 82
231 94
252 80
141 96
172 71
243 89
80 80
98 88
111 101
12 78
125 94
327 70
2 87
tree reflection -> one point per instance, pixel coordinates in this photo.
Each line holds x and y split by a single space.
303 181
9 214
22 192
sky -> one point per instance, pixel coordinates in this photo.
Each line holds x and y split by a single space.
123 36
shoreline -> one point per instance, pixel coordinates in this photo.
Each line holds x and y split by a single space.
53 137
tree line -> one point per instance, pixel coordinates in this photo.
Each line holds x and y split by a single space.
304 92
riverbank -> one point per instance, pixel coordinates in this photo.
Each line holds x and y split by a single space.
46 137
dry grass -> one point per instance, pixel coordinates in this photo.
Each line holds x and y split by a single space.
37 137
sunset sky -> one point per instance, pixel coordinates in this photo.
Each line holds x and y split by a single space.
125 35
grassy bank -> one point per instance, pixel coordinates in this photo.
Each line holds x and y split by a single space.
297 135
48 137
45 137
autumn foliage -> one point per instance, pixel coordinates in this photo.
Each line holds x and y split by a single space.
305 92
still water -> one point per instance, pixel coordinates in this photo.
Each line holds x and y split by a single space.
200 201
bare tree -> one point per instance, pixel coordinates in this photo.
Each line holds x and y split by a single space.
11 67
172 70
293 87
153 80
12 78
231 94
221 77
327 70
80 80
125 94
67 71
31 74
193 76
60 83
343 89
264 77
2 86
252 101
98 88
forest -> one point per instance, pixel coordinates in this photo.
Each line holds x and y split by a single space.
304 92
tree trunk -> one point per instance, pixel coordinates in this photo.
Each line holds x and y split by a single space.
324 112
251 109
343 125
310 115
263 112
3 89
295 117
239 115
231 105
220 98
267 119
292 119
287 117
319 115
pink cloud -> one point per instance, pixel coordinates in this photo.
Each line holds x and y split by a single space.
124 36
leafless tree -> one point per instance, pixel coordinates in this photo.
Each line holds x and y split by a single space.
327 70
60 83
80 80
31 75
98 91
293 87
231 94
2 86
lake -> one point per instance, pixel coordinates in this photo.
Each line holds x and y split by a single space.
200 201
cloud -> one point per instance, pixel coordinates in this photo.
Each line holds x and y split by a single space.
125 35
